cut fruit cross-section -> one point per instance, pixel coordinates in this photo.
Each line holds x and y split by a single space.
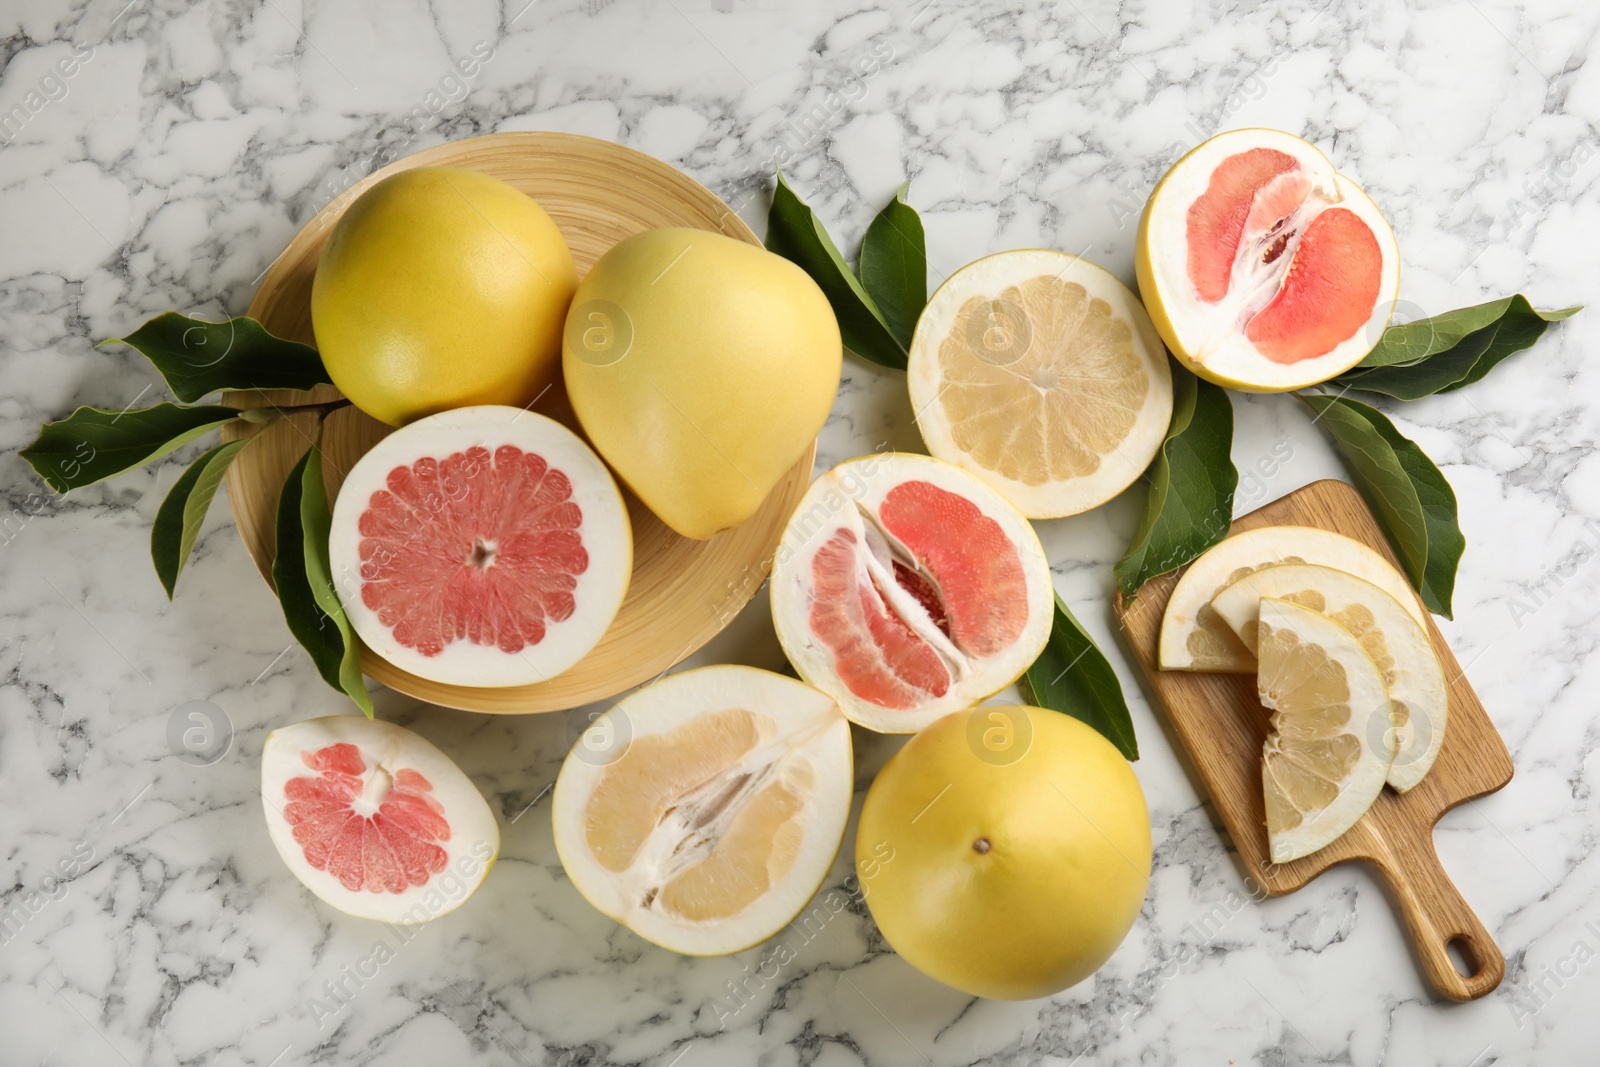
1262 267
1331 744
704 810
1041 374
483 546
1397 643
375 820
1193 638
906 589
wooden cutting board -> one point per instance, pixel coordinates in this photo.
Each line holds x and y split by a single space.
1222 725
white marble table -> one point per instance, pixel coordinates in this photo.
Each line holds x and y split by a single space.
190 142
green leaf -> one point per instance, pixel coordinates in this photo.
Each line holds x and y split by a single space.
198 357
1073 677
93 444
894 266
305 585
795 233
1410 497
1192 480
1449 351
178 522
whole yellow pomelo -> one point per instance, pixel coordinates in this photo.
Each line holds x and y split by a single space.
438 289
701 368
1005 851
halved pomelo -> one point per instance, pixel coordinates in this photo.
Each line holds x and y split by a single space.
484 546
1194 638
1397 643
1041 374
707 808
1331 747
906 589
374 819
1263 268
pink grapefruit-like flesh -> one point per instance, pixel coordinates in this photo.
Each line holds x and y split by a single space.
1217 219
473 547
389 850
1328 294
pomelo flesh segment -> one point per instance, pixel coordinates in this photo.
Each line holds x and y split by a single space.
1328 294
1217 218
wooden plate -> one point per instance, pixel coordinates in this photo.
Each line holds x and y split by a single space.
682 592
1222 725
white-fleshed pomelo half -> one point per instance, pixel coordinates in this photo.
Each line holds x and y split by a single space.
704 810
906 588
1397 643
1194 638
1263 267
484 546
1331 744
375 820
1041 374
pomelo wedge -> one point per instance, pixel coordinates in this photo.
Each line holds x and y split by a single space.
374 819
1263 268
484 546
1331 747
1195 638
1040 373
905 589
1397 643
706 809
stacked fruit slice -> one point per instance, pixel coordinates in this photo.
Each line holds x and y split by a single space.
1342 655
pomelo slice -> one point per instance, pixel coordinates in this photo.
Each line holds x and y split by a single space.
1263 268
374 819
1397 643
484 546
704 810
1041 374
1195 638
1331 746
905 588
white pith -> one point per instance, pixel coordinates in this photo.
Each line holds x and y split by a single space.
605 530
990 277
849 496
386 749
1261 547
1368 701
1211 335
803 734
1415 680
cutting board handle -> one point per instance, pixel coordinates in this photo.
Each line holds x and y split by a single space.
1436 915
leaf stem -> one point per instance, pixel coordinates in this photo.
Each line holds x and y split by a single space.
273 412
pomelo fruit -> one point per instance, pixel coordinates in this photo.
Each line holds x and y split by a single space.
484 546
374 819
1040 373
1264 268
701 368
1195 638
905 589
442 288
1021 851
704 810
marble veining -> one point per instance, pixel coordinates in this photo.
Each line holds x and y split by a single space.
147 918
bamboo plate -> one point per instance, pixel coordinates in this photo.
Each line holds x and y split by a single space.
1222 725
683 592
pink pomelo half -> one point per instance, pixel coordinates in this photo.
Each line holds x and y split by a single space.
376 821
484 546
905 588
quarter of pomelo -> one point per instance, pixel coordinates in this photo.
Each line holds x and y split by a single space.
704 810
442 288
374 819
482 546
905 589
1040 373
1005 851
1264 268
